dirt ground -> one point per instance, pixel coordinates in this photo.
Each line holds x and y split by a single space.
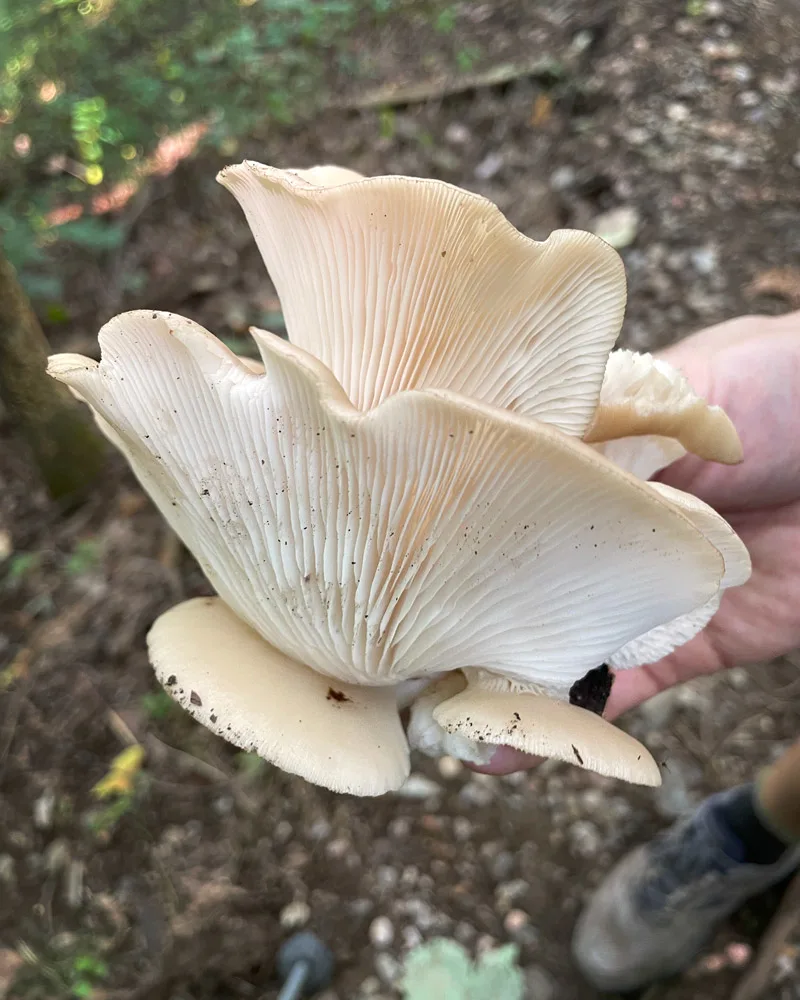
683 116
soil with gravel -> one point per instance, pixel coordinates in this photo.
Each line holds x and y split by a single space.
671 127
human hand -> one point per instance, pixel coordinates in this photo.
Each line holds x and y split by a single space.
751 368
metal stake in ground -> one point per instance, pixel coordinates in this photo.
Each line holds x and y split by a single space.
305 965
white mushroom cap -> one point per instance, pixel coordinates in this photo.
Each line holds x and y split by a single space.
345 737
397 283
662 640
642 456
548 727
429 534
393 496
643 395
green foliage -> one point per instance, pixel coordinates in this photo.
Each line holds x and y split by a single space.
20 565
86 972
158 705
60 974
85 557
89 87
445 20
250 766
442 968
466 57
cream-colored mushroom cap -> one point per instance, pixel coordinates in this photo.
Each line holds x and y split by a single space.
642 395
440 478
545 726
256 697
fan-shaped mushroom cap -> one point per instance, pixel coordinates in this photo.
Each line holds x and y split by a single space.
399 283
419 537
345 737
642 395
537 724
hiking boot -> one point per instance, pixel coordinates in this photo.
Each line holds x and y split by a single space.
661 904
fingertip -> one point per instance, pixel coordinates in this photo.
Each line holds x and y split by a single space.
506 760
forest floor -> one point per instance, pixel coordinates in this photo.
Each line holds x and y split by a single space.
671 126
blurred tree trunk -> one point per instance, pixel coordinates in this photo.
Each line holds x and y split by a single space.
65 444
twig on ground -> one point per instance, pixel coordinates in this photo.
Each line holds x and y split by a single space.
447 85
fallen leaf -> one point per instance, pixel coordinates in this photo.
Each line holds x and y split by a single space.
542 109
782 282
10 962
122 773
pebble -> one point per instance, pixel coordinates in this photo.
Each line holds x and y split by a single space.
507 893
502 865
409 876
450 767
73 884
781 86
617 227
296 914
741 73
749 98
320 829
476 794
57 855
7 873
515 921
420 912
584 838
387 967
386 877
739 954
283 832
337 849
484 944
411 938
677 112
464 932
417 786
563 178
490 166
360 907
223 805
370 986
637 136
457 134
704 260
400 827
462 828
43 810
381 932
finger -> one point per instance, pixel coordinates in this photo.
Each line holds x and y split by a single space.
506 760
631 687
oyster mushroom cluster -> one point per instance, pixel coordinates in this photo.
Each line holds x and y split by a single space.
434 496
